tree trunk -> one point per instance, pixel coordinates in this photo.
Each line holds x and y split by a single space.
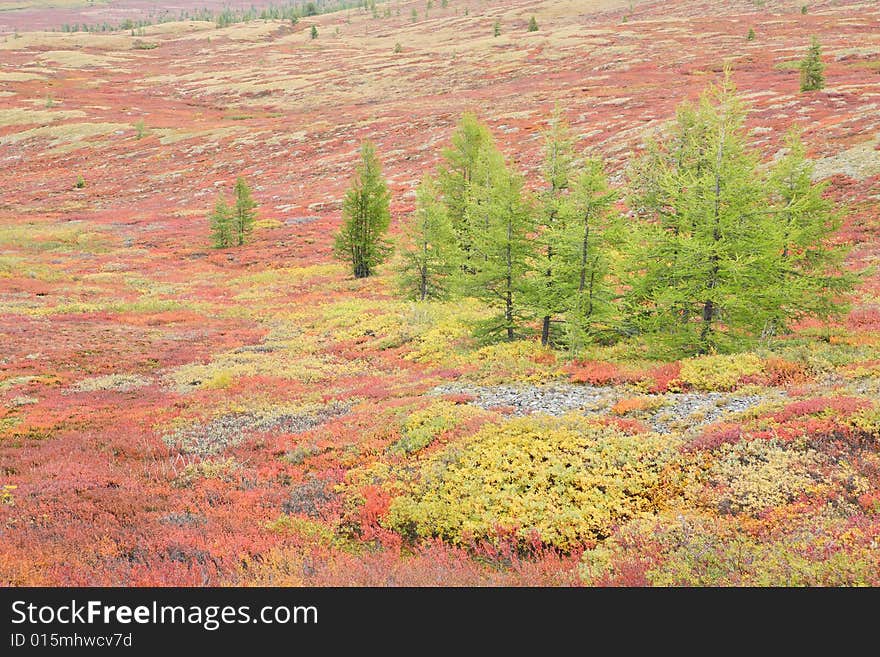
508 300
582 283
423 272
545 331
709 304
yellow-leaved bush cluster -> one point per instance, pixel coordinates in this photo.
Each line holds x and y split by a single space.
422 426
719 372
562 480
752 476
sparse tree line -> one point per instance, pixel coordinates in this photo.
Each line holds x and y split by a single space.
705 249
292 11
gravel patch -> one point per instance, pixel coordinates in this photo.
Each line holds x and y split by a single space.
693 409
677 411
552 399
206 439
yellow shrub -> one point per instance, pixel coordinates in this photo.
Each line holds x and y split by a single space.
424 425
6 496
440 329
752 476
208 469
867 421
719 372
268 224
566 480
302 527
219 381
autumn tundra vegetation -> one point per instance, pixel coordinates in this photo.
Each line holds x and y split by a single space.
445 293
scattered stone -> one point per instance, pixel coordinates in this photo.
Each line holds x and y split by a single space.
206 439
686 410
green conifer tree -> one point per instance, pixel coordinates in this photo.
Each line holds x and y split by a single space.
456 178
366 217
502 247
220 220
710 258
812 68
586 244
430 257
812 275
244 212
549 296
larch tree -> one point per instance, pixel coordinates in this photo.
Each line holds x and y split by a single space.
456 175
549 295
706 277
430 256
503 249
366 217
586 243
813 278
244 212
812 68
221 220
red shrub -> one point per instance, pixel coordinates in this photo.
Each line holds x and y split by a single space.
664 377
593 372
714 436
784 373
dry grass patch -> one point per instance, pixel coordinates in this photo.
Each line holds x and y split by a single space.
66 137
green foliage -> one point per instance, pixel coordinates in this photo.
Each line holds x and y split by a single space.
398 48
812 276
585 243
425 425
313 33
569 287
812 68
501 221
533 24
244 212
713 272
140 129
366 217
548 293
564 480
456 177
431 255
80 182
221 221
751 35
721 252
496 28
